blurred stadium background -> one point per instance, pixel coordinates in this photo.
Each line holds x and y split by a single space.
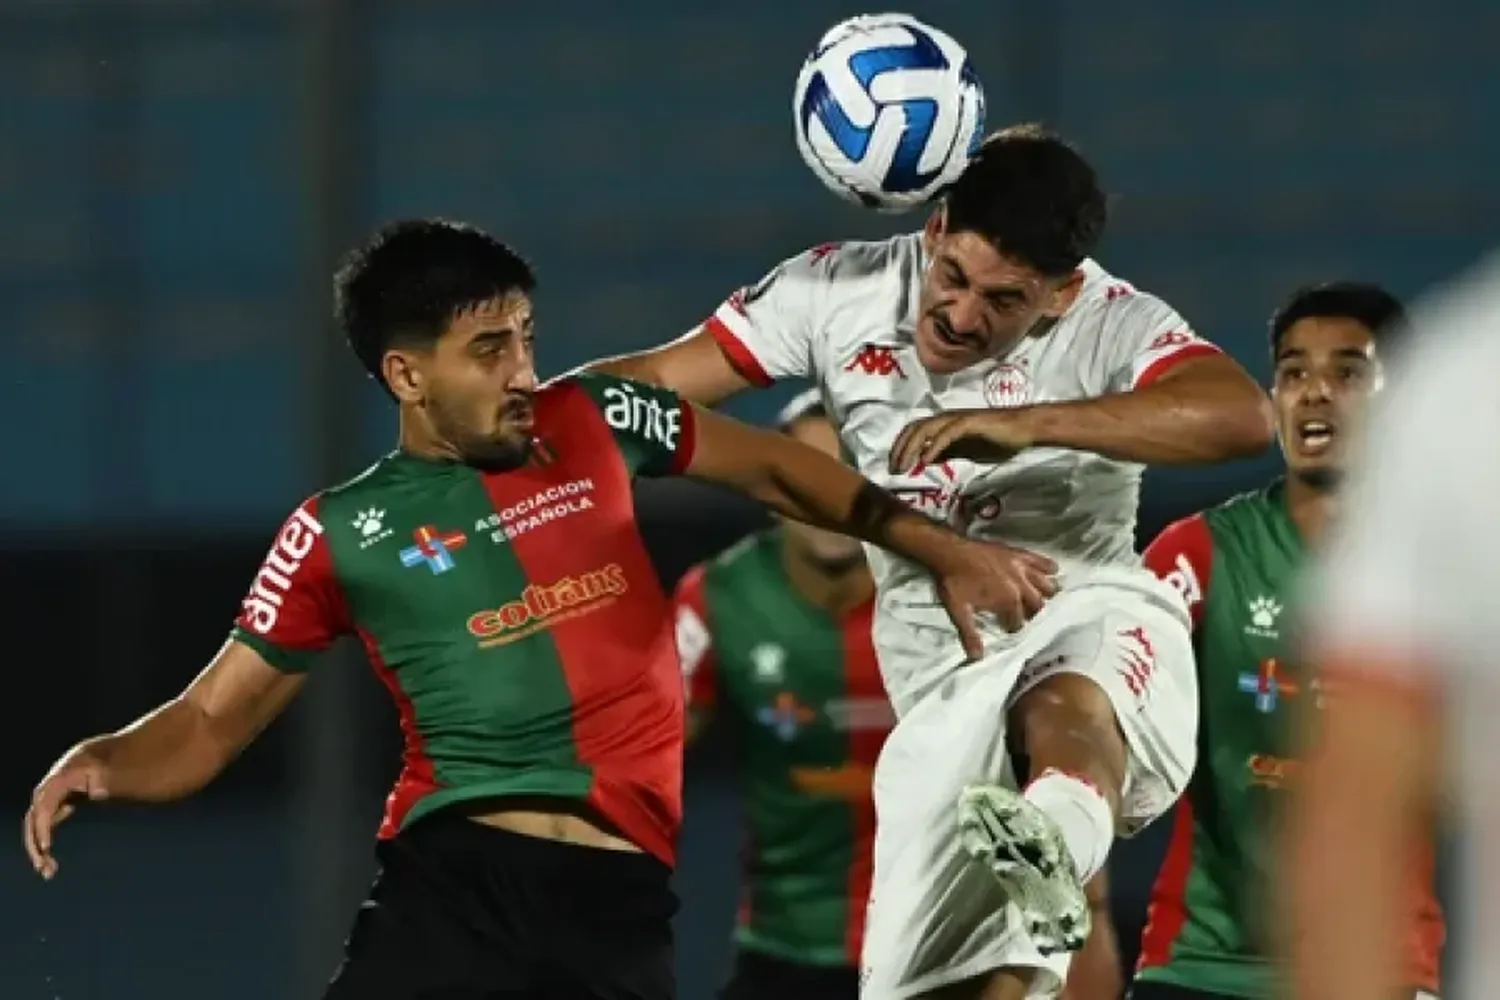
176 178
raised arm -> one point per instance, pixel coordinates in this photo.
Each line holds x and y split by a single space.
693 366
807 485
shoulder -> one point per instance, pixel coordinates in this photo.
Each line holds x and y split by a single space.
1243 510
353 493
1108 306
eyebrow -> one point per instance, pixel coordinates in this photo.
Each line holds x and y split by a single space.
989 291
1349 353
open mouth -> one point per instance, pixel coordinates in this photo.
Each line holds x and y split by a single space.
948 337
1315 435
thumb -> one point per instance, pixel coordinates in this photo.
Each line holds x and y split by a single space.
93 785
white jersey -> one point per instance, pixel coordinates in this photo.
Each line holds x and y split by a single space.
1413 572
844 315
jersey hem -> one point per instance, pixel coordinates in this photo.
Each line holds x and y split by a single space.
286 661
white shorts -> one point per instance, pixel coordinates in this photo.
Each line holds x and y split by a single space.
935 916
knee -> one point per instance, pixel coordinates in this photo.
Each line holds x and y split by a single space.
1067 717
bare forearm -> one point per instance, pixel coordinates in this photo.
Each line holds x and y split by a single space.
825 493
1189 422
167 754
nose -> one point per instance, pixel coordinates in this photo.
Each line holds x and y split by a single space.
966 313
523 379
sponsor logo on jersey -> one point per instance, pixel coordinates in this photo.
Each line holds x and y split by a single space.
433 549
847 782
370 523
1264 611
1270 685
541 508
785 716
1184 580
860 714
876 359
542 605
1007 385
768 661
693 640
1171 340
629 411
1269 771
274 580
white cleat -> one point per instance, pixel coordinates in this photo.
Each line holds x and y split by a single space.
1024 849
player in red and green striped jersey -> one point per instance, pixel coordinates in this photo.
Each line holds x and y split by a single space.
1237 564
492 570
775 640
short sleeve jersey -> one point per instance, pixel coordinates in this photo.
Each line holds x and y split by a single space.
845 316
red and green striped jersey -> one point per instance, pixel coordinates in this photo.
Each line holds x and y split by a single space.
1207 925
804 691
514 616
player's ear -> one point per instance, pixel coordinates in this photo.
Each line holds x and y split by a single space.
936 224
1063 295
403 373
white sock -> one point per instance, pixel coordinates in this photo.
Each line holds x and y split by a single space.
1080 812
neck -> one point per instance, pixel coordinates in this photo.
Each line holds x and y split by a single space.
834 587
1311 508
415 437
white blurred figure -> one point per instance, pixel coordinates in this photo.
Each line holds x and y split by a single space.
1405 613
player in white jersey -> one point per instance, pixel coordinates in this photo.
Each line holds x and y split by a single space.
991 374
1403 613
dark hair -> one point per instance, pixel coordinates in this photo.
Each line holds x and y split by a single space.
1033 196
408 281
1369 305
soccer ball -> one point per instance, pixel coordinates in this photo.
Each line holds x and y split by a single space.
888 110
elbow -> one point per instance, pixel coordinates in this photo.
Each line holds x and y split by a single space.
1244 424
1258 430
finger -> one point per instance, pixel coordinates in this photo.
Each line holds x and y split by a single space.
28 838
942 442
1036 561
904 451
39 834
1044 583
968 630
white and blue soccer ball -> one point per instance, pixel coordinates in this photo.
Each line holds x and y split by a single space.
888 111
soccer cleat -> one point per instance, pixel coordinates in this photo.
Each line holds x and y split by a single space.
1023 848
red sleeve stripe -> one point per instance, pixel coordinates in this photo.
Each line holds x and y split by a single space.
738 355
1162 365
687 438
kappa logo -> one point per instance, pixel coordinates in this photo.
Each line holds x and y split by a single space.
628 410
1138 655
876 359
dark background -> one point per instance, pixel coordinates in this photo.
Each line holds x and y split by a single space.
177 176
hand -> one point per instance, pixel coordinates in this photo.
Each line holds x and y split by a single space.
988 436
77 774
1010 583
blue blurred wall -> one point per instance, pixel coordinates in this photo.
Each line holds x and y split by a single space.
154 263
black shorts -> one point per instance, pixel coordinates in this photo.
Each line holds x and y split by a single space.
758 976
462 911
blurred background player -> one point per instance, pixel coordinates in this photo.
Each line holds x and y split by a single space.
1207 932
528 844
775 641
990 373
1405 620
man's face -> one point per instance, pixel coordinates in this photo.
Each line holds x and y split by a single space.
977 304
818 545
474 386
1326 372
